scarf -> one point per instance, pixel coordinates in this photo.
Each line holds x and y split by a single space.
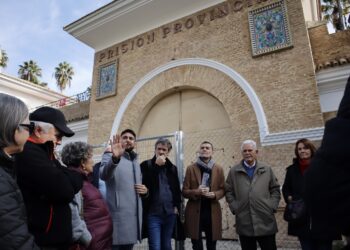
303 165
206 169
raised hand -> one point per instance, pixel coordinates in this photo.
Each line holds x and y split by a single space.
116 146
161 160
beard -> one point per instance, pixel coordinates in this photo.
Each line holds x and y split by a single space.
129 149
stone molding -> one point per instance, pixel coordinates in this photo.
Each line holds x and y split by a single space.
266 138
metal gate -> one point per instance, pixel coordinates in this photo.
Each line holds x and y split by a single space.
185 152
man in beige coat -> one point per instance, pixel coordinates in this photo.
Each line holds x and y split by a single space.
204 186
253 194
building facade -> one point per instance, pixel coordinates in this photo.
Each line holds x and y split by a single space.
211 70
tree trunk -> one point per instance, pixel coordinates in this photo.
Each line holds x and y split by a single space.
340 13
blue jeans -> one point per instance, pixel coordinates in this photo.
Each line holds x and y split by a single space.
160 230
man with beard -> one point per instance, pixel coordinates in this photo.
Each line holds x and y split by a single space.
121 172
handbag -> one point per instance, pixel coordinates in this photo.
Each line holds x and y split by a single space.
179 231
295 211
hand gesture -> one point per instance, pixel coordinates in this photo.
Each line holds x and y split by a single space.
203 190
116 146
209 195
141 189
160 161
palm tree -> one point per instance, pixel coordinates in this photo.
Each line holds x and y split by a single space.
336 12
63 75
30 71
3 58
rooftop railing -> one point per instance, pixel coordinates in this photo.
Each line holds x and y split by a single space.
81 97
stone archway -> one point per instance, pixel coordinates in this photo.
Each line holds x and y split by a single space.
223 69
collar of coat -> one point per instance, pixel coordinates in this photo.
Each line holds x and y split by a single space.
260 168
7 163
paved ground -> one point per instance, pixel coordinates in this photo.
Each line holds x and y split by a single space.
221 245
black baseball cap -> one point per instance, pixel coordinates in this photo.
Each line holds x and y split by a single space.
54 117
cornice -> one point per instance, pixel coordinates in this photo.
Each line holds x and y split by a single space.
103 15
124 19
332 79
314 134
79 126
28 87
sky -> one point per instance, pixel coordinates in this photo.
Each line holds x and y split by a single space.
34 30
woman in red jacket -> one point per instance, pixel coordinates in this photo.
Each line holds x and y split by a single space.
78 157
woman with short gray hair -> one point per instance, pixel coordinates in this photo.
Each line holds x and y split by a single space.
77 156
14 132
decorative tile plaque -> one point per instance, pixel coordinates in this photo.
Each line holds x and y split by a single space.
269 28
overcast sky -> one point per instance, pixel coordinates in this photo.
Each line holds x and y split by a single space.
34 30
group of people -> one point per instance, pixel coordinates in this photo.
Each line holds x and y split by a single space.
144 200
57 205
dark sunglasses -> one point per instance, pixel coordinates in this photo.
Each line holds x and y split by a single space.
30 127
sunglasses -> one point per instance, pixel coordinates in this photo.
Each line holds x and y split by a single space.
29 127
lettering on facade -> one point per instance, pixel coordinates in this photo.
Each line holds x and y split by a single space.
182 25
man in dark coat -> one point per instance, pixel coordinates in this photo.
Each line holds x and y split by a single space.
47 187
327 182
162 201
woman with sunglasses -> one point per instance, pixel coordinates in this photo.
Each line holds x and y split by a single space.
14 132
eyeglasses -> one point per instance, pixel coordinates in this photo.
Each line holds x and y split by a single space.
29 127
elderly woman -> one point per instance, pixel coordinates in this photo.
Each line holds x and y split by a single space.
15 129
293 190
77 156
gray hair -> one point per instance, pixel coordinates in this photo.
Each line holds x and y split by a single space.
44 126
251 142
74 153
13 112
163 141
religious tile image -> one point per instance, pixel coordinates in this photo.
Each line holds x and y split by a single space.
107 85
269 28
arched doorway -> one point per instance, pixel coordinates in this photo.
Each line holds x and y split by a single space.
201 117
189 110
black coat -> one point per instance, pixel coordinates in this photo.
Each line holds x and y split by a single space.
293 186
327 182
47 189
13 220
151 180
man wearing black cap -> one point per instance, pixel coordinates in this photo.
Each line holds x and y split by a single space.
47 187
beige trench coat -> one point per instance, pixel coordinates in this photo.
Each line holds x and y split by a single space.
193 179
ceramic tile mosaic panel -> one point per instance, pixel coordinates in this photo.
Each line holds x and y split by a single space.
269 28
107 85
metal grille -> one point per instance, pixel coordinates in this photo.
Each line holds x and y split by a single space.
185 152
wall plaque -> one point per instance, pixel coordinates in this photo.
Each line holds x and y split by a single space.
269 28
107 80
